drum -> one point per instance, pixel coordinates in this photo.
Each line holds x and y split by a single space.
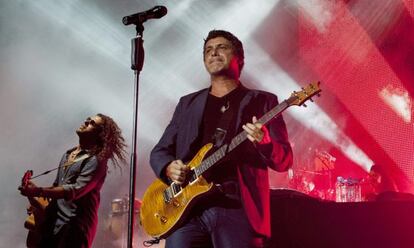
348 190
119 206
117 221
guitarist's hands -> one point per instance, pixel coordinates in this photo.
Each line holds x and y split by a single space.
257 132
177 171
30 190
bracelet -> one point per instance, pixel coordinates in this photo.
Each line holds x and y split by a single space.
40 192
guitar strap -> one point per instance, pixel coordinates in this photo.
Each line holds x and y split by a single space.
226 125
84 156
223 128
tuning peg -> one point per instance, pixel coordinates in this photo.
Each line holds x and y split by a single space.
304 105
319 95
310 99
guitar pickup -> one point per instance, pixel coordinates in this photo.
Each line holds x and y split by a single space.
175 188
168 195
170 192
192 176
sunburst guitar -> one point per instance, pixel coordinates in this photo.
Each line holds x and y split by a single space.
165 207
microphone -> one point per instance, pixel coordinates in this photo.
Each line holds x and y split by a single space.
154 13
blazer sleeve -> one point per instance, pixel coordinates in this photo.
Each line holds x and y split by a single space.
164 151
277 154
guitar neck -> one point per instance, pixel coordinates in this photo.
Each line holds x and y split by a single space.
242 136
238 139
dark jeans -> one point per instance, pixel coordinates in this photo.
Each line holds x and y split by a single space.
219 225
67 237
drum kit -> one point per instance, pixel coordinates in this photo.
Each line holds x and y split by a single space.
117 222
119 206
314 177
116 225
348 190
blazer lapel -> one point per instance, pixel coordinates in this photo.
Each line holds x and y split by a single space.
193 121
243 104
197 110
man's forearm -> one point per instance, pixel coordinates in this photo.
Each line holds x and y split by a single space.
53 192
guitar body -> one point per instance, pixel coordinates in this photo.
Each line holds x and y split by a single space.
158 217
37 215
35 220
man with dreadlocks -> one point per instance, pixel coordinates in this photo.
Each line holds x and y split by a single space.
72 214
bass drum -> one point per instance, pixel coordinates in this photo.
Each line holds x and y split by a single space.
116 226
117 223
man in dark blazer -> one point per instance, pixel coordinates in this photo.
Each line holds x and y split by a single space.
238 214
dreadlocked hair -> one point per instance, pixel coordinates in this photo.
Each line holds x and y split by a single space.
111 144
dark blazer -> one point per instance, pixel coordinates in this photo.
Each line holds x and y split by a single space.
180 136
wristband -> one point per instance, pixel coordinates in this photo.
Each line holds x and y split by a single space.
40 192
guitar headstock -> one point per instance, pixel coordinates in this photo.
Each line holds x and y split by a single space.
26 177
298 98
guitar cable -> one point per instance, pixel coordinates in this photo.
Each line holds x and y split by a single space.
149 243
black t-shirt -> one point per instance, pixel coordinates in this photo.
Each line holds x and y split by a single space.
221 112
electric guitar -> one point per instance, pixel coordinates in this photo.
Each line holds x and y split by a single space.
36 213
165 207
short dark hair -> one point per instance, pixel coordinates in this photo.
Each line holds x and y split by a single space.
237 44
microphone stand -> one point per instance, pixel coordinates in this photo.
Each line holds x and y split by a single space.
137 62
